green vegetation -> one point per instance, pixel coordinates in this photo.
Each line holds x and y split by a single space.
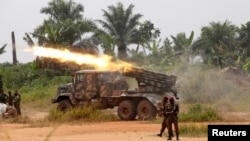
199 113
36 87
219 45
193 130
80 114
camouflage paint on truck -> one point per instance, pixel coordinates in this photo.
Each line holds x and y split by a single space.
109 89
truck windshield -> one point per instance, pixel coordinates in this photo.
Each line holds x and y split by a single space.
79 78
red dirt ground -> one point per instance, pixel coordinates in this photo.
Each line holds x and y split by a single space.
99 131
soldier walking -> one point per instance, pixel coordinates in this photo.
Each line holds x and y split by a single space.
16 102
162 113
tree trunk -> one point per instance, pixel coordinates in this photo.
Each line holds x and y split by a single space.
14 48
122 51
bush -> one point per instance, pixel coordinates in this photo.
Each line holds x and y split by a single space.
199 113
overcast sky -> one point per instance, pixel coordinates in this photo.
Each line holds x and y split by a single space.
170 16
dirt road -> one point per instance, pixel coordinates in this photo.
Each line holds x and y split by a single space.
98 131
106 131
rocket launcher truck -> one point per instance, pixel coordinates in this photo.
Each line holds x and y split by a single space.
109 89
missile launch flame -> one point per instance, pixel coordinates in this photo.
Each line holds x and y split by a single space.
103 62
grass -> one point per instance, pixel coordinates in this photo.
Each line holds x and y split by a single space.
80 114
199 113
193 130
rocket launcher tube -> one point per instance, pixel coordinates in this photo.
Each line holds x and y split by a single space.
150 78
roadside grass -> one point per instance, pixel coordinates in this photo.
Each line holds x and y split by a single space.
80 114
199 113
193 130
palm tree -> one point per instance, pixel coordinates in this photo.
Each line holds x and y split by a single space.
168 52
146 33
218 43
121 24
244 32
60 10
182 44
66 21
64 28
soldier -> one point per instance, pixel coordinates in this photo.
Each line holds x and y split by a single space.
162 110
16 102
3 97
172 112
10 101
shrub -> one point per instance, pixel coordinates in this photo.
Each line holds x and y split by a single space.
199 113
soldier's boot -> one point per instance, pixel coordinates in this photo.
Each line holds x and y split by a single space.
177 137
169 138
160 135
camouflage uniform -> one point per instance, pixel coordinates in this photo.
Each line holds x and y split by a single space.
3 97
164 123
10 101
16 102
172 112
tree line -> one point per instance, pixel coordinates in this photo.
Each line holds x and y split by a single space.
220 44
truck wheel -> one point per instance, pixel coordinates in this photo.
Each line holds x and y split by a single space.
127 110
64 105
146 110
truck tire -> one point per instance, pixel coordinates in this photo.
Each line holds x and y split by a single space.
127 110
64 105
146 110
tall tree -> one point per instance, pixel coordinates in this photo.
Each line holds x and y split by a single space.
218 41
60 10
121 23
146 33
182 44
244 50
64 28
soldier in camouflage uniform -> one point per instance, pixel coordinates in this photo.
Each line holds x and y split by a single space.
172 118
10 101
164 121
3 97
16 102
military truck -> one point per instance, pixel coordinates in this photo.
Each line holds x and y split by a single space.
109 89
